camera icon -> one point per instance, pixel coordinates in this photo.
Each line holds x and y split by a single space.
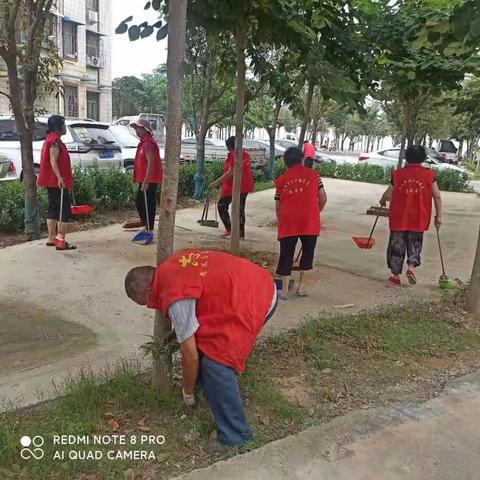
36 451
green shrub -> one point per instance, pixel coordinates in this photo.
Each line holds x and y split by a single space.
186 181
450 180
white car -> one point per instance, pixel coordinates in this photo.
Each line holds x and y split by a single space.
129 144
389 158
5 165
90 144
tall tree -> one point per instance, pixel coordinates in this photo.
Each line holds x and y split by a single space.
31 59
127 96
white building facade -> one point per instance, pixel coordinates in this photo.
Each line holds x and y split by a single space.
82 29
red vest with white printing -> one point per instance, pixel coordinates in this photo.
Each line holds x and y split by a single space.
411 204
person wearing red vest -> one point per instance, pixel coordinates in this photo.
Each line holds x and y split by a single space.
147 172
217 304
56 176
226 180
410 195
299 199
309 154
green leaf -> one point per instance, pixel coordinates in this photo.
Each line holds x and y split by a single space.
147 5
411 75
134 33
146 32
121 29
156 4
162 33
158 24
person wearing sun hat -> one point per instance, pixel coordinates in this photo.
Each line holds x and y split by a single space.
147 172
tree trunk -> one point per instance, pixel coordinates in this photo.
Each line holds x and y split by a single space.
344 138
240 40
168 199
271 135
199 166
460 149
405 131
308 109
473 295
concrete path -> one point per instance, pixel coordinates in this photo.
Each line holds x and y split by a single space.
85 287
438 440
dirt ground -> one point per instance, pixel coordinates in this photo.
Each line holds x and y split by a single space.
85 287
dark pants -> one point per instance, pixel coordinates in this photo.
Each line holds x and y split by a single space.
224 204
287 252
402 244
151 203
54 195
220 384
308 162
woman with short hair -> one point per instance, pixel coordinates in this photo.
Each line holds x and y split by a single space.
56 176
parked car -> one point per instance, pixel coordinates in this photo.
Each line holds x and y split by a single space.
90 144
448 151
265 144
156 120
5 166
215 149
389 158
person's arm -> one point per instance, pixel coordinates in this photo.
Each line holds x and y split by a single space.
184 320
322 195
54 153
437 200
387 196
219 181
150 156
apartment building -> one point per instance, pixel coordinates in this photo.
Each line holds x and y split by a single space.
82 29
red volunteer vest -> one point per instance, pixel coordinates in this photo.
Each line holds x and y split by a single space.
247 185
298 193
411 205
47 177
234 297
309 151
141 163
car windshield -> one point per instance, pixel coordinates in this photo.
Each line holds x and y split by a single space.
94 135
124 137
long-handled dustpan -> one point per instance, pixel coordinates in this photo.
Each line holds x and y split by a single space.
366 243
204 221
80 209
146 236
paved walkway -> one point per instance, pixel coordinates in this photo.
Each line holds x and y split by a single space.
85 288
438 440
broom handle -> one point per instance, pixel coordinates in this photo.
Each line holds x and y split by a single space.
146 209
204 208
73 199
440 250
61 206
373 229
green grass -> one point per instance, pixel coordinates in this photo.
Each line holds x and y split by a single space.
362 349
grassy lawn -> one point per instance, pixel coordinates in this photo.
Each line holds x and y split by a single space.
325 368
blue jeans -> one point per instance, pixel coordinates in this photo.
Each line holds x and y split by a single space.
220 384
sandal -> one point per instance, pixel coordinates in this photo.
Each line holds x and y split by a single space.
394 281
67 246
302 293
412 279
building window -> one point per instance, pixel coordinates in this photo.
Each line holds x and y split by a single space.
93 49
70 49
93 105
71 101
92 5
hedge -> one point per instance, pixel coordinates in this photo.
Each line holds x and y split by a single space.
113 189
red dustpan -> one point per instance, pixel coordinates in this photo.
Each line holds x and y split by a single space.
366 243
81 209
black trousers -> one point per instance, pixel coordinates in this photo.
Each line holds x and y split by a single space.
401 244
308 162
151 203
287 252
224 204
54 195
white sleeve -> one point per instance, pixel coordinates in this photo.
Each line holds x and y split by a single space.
183 316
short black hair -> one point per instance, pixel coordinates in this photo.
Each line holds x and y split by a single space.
415 154
293 156
55 124
230 143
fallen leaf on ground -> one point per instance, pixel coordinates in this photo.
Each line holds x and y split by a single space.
113 424
129 474
143 429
